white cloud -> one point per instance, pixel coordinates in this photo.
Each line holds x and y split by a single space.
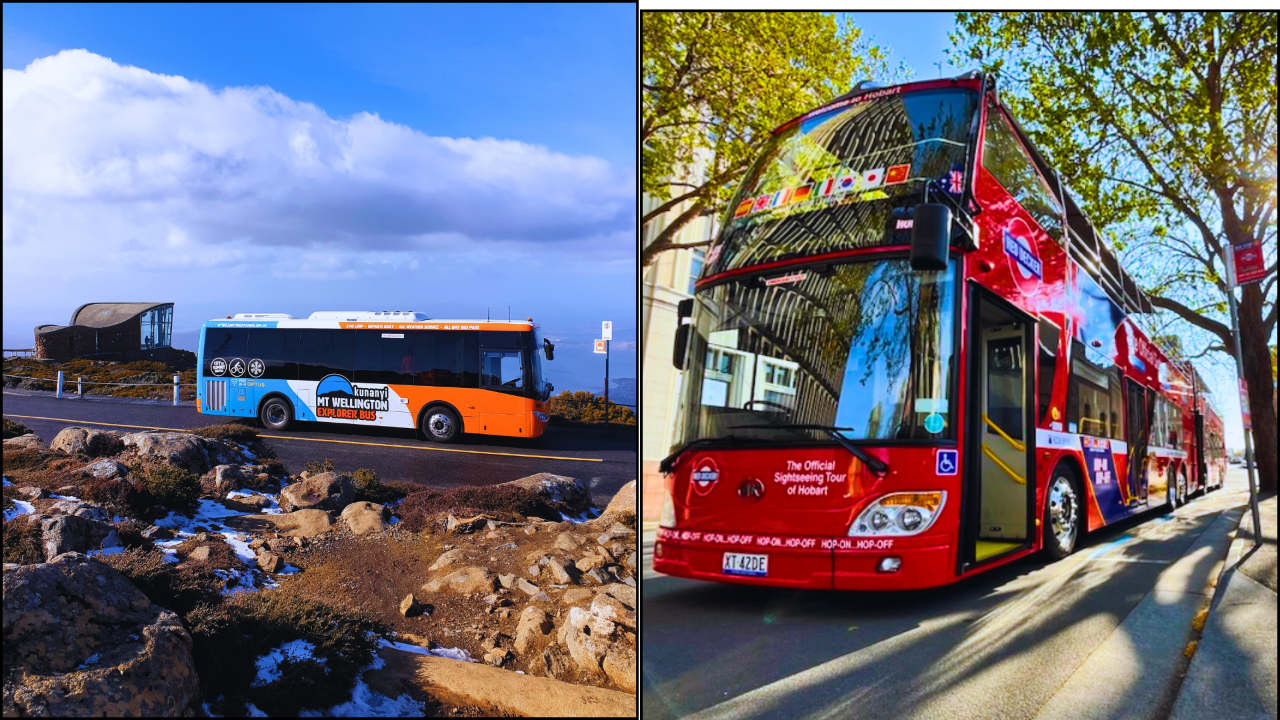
104 158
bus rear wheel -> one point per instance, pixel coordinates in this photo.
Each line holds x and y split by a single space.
1061 514
441 425
276 414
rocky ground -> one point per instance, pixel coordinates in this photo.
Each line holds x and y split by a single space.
274 592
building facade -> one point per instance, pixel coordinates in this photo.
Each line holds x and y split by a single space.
667 281
111 331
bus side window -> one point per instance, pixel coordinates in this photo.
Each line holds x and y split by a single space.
446 358
224 342
1004 157
1049 334
325 352
381 359
277 349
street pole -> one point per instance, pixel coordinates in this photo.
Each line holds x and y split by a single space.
1244 399
606 385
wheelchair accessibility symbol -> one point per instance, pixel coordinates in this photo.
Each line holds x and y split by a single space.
947 461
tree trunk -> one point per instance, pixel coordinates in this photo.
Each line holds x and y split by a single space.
663 242
1257 373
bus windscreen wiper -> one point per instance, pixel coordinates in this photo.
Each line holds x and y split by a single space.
877 465
668 462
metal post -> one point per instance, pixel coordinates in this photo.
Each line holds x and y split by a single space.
80 386
606 384
175 390
1248 433
59 384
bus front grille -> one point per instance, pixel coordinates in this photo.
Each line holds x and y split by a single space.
215 394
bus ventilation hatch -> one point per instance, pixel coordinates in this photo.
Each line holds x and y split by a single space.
215 394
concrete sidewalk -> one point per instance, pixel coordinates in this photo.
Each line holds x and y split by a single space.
1233 672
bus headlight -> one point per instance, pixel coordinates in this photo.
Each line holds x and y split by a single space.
542 417
906 513
668 517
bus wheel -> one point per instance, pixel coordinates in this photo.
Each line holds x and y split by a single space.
276 414
441 425
1061 514
1173 489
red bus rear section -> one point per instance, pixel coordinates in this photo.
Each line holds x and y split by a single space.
861 411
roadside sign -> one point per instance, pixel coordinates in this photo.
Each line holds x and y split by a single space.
600 347
1244 405
606 330
1249 265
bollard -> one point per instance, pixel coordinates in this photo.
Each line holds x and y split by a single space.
175 389
80 386
59 384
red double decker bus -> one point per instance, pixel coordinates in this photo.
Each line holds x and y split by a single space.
911 358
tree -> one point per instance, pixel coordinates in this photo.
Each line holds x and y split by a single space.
1165 126
715 84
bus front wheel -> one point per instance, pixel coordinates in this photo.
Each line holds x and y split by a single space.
439 424
1062 514
276 414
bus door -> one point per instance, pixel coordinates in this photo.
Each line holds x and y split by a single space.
1138 428
999 498
1201 468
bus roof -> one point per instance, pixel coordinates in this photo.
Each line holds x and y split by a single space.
362 320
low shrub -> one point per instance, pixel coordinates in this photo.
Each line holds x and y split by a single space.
121 497
130 532
315 468
22 459
505 502
234 432
172 587
221 555
369 488
274 467
22 541
230 637
174 488
13 429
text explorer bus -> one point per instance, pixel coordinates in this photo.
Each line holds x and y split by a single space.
910 358
389 369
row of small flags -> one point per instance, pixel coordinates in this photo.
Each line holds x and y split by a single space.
851 182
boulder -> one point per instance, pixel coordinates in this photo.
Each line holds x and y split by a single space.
573 595
621 509
410 607
156 532
624 593
558 489
508 581
185 450
561 572
567 542
590 562
535 623
598 575
461 526
29 493
449 557
465 580
200 553
270 562
257 543
493 659
28 441
365 517
279 545
631 560
587 638
233 477
555 662
106 468
326 491
250 504
74 440
300 523
80 508
493 690
620 665
80 639
71 533
541 597
222 452
614 610
526 587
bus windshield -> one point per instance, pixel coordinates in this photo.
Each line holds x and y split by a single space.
830 181
864 346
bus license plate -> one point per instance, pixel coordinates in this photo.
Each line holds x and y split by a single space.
739 564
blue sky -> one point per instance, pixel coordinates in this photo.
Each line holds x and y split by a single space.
292 158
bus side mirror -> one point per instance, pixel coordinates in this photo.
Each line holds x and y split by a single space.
930 236
549 348
684 313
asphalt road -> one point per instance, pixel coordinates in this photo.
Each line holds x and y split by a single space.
605 460
1099 634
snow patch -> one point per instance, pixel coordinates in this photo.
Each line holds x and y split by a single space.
589 514
253 711
208 511
106 551
451 653
89 661
365 702
65 497
268 665
6 482
20 507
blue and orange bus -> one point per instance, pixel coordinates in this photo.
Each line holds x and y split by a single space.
388 369
911 358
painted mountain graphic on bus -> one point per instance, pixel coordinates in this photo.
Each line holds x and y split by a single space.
334 385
